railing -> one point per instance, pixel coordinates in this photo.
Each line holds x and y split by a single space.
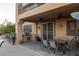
29 7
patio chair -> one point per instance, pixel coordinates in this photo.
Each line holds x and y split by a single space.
71 47
60 48
44 43
52 46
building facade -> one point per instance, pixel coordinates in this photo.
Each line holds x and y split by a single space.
49 21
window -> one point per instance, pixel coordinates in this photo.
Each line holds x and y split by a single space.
71 28
27 28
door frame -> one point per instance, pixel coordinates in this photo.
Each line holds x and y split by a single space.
53 23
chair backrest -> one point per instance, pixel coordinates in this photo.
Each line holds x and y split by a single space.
52 44
45 43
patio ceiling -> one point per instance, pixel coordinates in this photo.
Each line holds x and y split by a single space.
55 13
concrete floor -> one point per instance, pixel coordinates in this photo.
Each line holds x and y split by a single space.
38 47
21 50
26 49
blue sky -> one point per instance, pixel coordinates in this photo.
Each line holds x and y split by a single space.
7 11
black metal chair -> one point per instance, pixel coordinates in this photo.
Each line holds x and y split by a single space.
49 46
52 46
60 48
71 47
44 44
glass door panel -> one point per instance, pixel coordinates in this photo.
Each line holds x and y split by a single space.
45 31
50 31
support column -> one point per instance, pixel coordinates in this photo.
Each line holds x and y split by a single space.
18 25
36 29
18 33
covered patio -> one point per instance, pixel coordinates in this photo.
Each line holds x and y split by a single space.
58 31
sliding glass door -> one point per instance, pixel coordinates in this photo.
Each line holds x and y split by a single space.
48 31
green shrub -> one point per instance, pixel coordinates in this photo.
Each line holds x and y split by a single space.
12 35
8 28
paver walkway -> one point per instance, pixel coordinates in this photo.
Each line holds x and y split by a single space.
18 50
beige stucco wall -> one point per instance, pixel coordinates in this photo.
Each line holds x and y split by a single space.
34 30
39 32
60 27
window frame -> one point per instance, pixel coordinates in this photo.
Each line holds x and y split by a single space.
26 29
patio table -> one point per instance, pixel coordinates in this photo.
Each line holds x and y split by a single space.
61 43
